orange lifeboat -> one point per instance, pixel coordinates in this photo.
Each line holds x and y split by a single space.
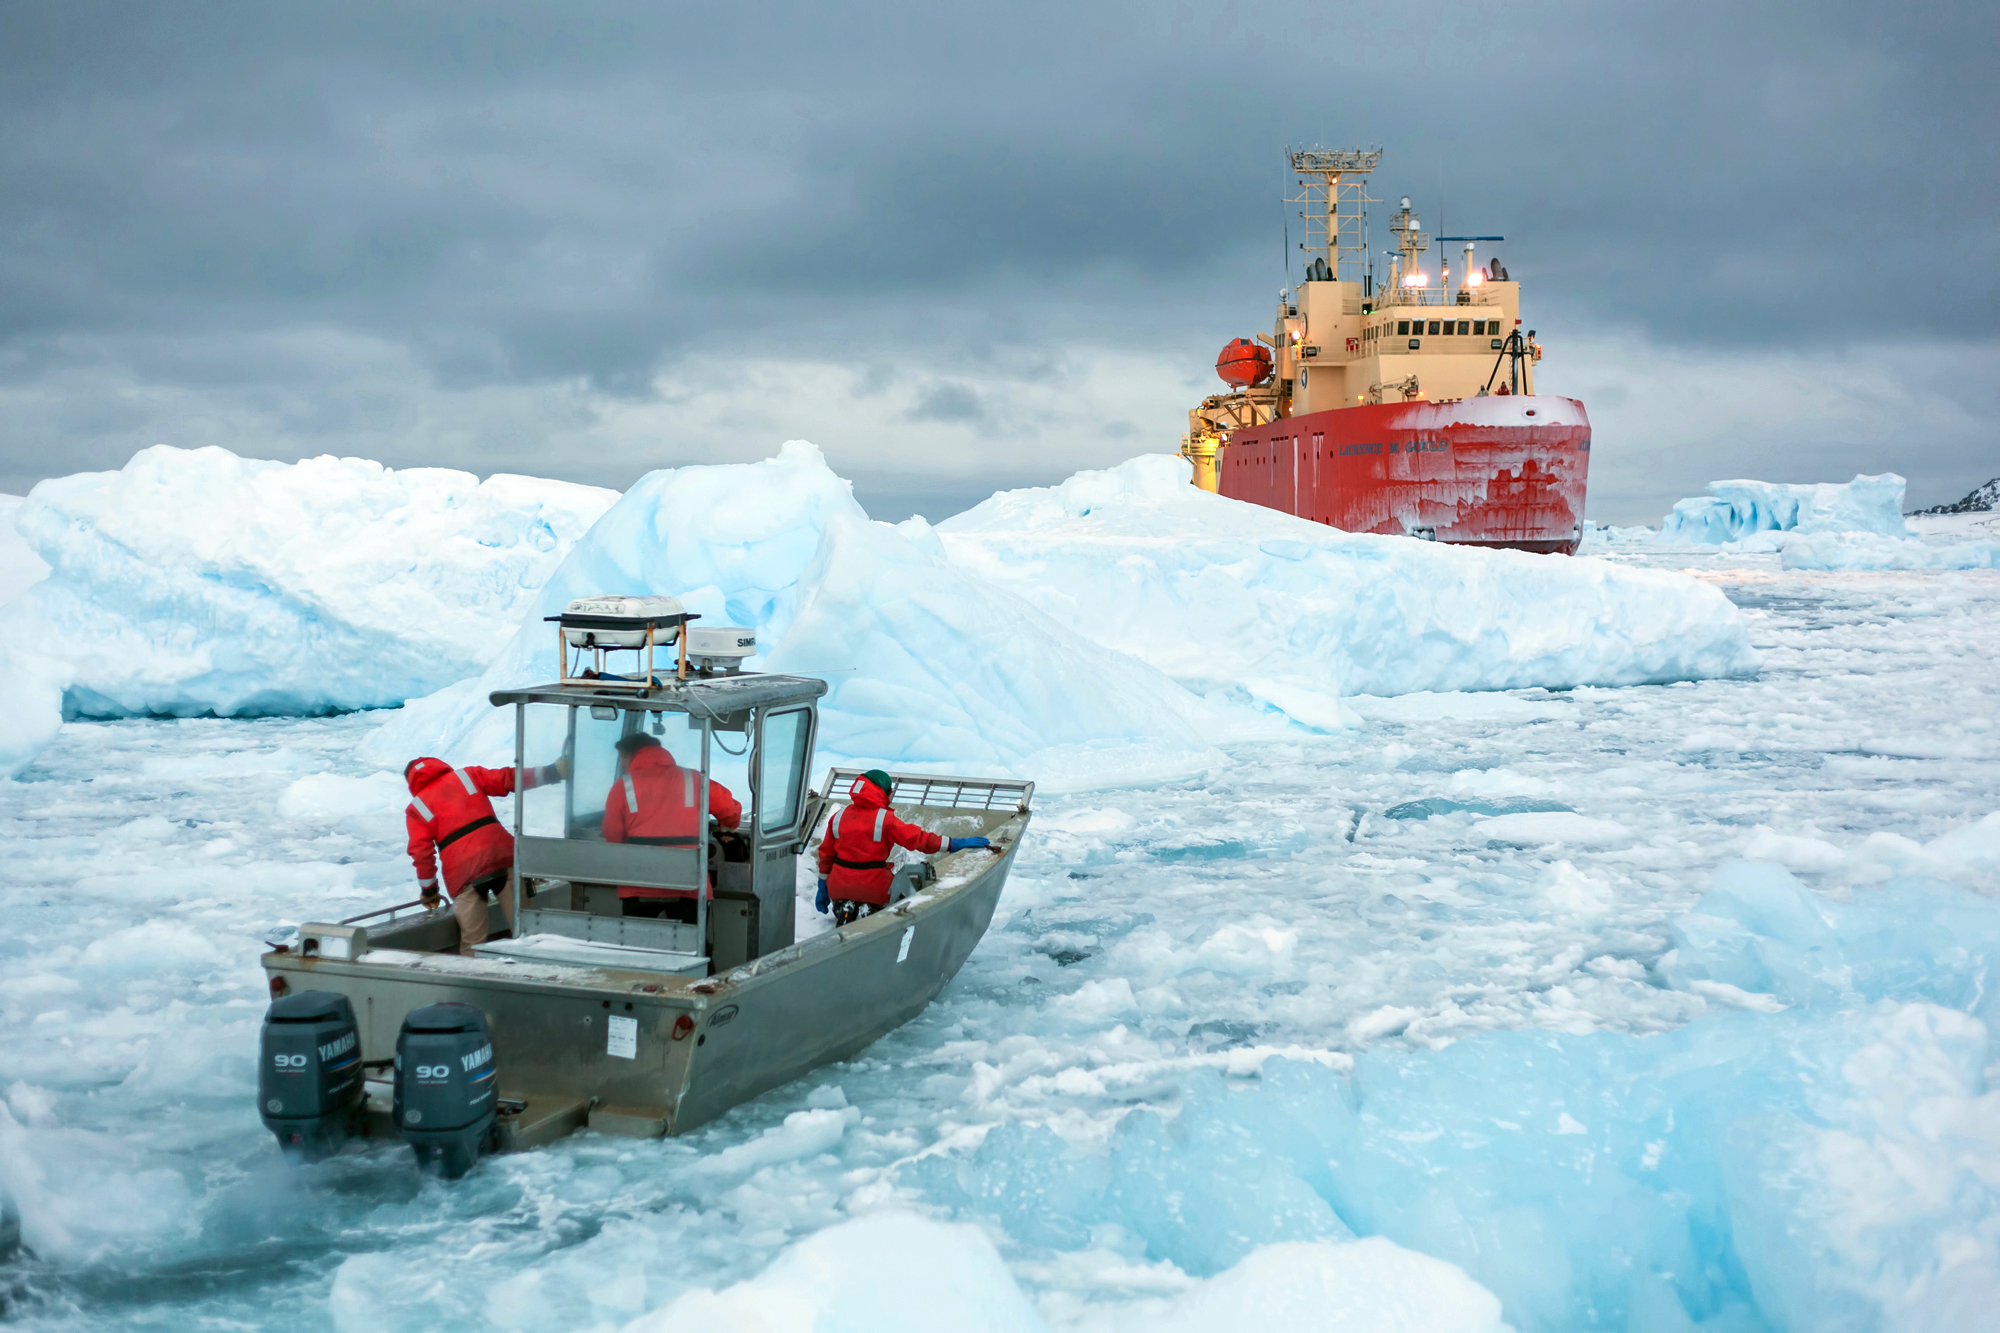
1243 364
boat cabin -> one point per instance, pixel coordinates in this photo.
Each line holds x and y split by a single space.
753 734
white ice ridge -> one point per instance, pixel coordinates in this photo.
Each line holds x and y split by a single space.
1734 510
1236 600
1086 634
20 567
927 665
34 684
1867 550
1051 649
195 581
950 1276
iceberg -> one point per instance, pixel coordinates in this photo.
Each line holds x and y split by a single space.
1814 1152
1105 631
1238 601
927 665
194 581
1735 510
20 567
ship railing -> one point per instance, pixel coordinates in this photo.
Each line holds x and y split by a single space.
1420 296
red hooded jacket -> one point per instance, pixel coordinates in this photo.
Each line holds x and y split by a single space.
451 820
657 801
854 855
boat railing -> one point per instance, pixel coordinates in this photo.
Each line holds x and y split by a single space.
382 911
942 792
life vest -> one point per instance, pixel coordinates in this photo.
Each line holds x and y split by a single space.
658 802
854 855
453 830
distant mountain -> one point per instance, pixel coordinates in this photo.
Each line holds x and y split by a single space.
1982 499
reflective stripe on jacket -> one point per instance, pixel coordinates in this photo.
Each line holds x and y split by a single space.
658 801
452 825
854 855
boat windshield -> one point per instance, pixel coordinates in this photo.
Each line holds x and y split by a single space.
574 808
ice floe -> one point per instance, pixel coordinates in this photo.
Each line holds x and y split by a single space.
1866 550
1238 601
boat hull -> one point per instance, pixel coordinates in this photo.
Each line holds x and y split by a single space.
693 1049
1505 471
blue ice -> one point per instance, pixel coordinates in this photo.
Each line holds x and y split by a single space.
1734 510
1816 1158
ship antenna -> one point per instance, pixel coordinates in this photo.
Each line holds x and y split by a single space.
1285 203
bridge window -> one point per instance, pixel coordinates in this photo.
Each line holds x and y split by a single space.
1479 328
1402 327
1434 328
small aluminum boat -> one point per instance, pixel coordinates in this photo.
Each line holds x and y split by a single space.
584 1017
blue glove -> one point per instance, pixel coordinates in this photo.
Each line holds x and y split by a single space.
960 844
819 903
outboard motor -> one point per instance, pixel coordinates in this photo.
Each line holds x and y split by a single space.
309 1072
445 1086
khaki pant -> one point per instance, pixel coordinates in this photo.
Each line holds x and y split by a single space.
472 913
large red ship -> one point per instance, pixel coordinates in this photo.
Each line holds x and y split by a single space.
1405 406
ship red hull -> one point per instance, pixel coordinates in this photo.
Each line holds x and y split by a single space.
1498 471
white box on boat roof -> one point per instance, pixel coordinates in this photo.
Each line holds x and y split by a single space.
638 610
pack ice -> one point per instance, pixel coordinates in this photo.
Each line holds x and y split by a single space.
195 581
1816 1154
1234 600
1735 510
1865 550
1092 632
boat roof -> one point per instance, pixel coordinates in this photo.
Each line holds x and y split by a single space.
718 694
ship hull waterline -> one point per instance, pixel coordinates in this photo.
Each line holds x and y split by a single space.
1502 471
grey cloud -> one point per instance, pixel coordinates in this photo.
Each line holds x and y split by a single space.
605 195
947 401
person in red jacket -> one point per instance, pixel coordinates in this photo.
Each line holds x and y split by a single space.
657 801
854 868
454 833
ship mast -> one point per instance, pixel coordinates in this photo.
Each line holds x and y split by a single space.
1406 268
1333 185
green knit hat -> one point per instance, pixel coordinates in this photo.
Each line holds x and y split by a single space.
880 779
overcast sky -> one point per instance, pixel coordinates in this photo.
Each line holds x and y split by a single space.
963 247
